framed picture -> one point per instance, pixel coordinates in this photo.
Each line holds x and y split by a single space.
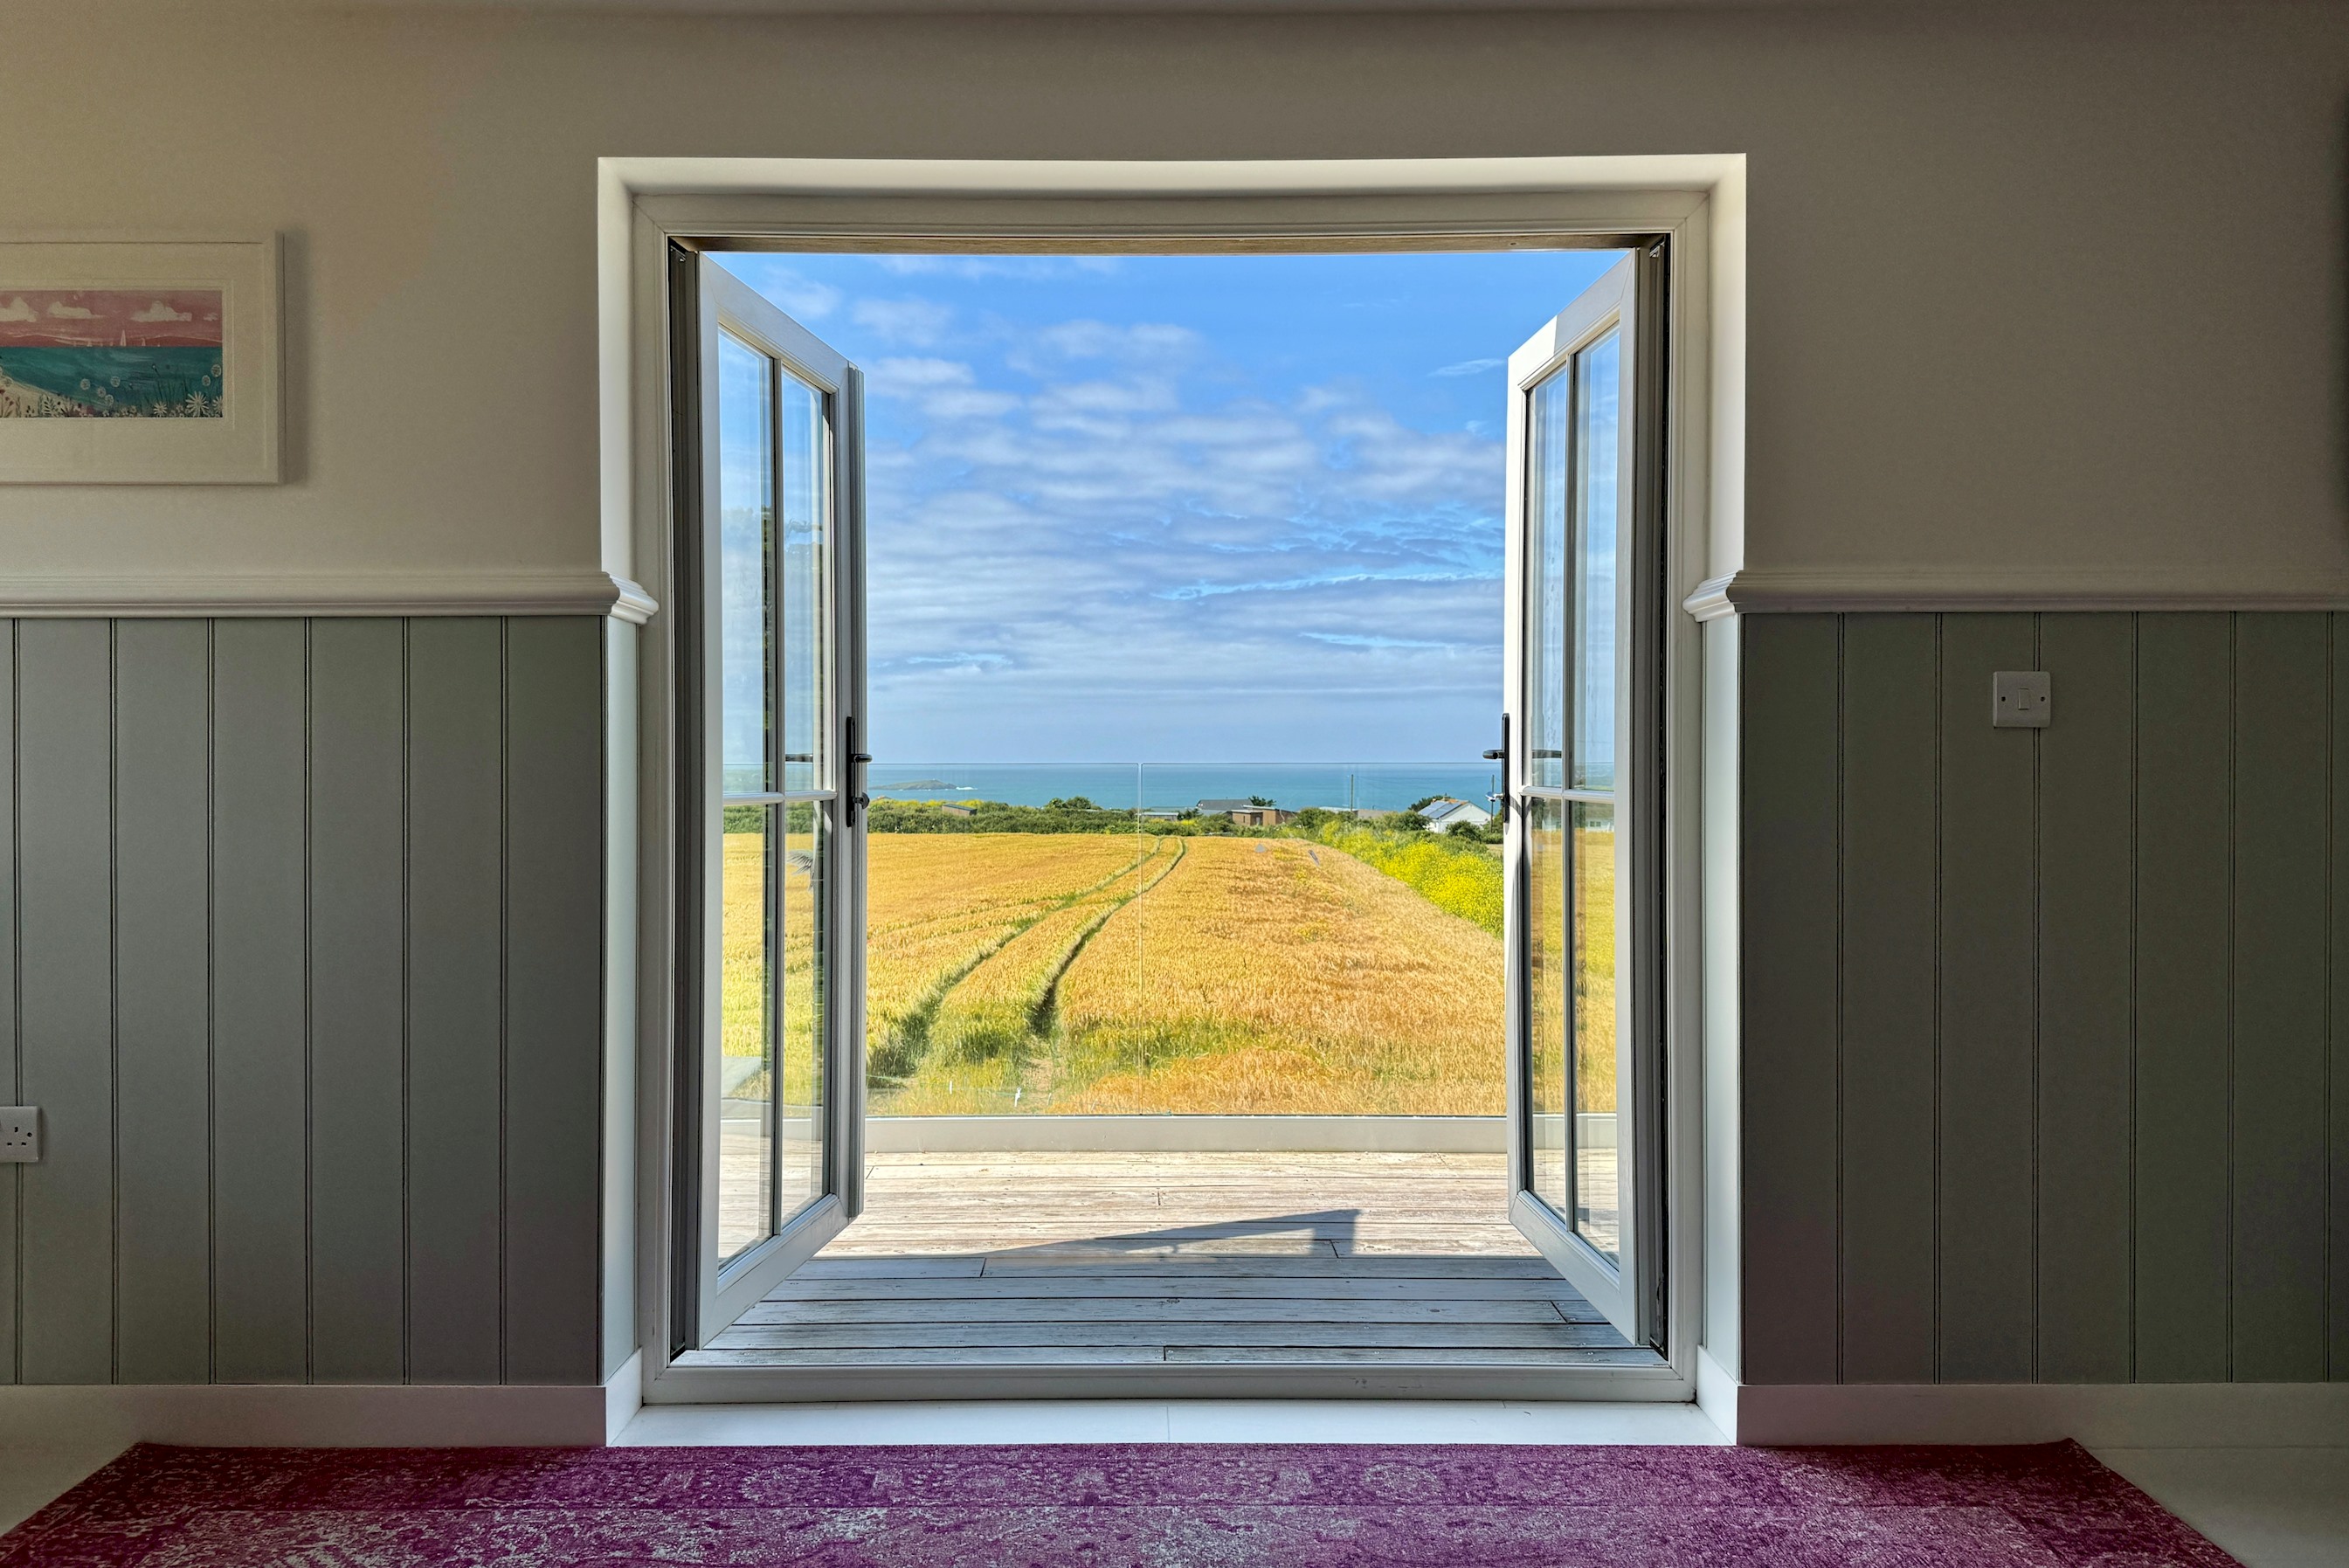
139 362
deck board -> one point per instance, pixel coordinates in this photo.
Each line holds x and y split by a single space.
1119 1260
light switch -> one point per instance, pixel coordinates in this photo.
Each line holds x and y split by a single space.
2019 700
20 1134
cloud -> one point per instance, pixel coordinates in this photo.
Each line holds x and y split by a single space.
17 310
915 323
798 294
159 312
1469 367
64 312
1351 640
1025 269
904 376
1154 562
1045 350
1105 536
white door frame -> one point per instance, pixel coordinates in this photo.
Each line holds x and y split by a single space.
1381 204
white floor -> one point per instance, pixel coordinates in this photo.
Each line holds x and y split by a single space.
30 1478
2272 1507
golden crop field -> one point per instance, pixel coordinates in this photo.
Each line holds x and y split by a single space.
1280 975
988 1041
1115 973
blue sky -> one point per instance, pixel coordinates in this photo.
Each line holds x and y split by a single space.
1182 507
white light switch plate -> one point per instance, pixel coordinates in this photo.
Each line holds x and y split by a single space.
20 1134
2020 699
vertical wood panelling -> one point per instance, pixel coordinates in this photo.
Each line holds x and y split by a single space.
2184 913
2337 1011
2085 761
2277 1087
554 931
163 1233
260 1078
1988 1250
1888 1029
1787 844
11 1063
308 1112
64 937
455 973
357 885
2132 1160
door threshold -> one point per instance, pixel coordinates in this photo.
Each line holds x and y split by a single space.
1006 1421
693 1380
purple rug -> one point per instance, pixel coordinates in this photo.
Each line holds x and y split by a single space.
1165 1506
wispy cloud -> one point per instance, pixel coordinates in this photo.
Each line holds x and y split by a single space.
1351 640
800 295
1022 269
910 323
1119 518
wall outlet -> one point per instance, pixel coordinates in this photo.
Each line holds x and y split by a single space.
2020 699
20 1134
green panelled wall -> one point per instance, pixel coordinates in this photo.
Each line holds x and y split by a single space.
2045 1033
303 969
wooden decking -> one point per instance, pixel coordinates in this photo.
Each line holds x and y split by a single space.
1117 1260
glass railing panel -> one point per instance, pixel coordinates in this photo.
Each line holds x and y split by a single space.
1115 938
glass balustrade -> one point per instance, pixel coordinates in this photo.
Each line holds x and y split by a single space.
1119 938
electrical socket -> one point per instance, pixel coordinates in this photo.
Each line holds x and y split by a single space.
20 1134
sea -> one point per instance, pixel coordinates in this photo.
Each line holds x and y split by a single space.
139 380
1180 786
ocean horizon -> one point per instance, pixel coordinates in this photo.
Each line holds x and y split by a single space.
1179 786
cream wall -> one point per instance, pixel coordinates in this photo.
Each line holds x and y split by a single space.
2026 292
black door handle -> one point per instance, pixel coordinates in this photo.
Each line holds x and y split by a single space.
857 799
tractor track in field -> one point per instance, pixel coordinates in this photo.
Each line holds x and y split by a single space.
910 1039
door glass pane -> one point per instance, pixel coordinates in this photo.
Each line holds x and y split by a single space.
1595 1214
806 872
1546 980
1596 372
807 548
1549 424
746 542
746 1035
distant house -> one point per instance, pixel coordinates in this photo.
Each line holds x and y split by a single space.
1245 813
1444 810
952 809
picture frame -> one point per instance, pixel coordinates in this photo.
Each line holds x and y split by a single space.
140 361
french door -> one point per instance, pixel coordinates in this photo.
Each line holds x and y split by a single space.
1583 754
772 837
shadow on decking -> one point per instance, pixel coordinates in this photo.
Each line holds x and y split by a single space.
1324 1230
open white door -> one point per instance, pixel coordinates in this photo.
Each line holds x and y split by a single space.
1582 746
772 851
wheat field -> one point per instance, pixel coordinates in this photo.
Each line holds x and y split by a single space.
1120 973
1278 975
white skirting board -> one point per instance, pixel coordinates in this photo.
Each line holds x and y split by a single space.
315 1415
2098 1415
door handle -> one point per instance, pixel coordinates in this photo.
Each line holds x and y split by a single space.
1500 754
858 761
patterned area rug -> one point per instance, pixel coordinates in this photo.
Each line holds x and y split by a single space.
1166 1506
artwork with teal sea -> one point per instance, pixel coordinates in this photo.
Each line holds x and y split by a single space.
83 354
